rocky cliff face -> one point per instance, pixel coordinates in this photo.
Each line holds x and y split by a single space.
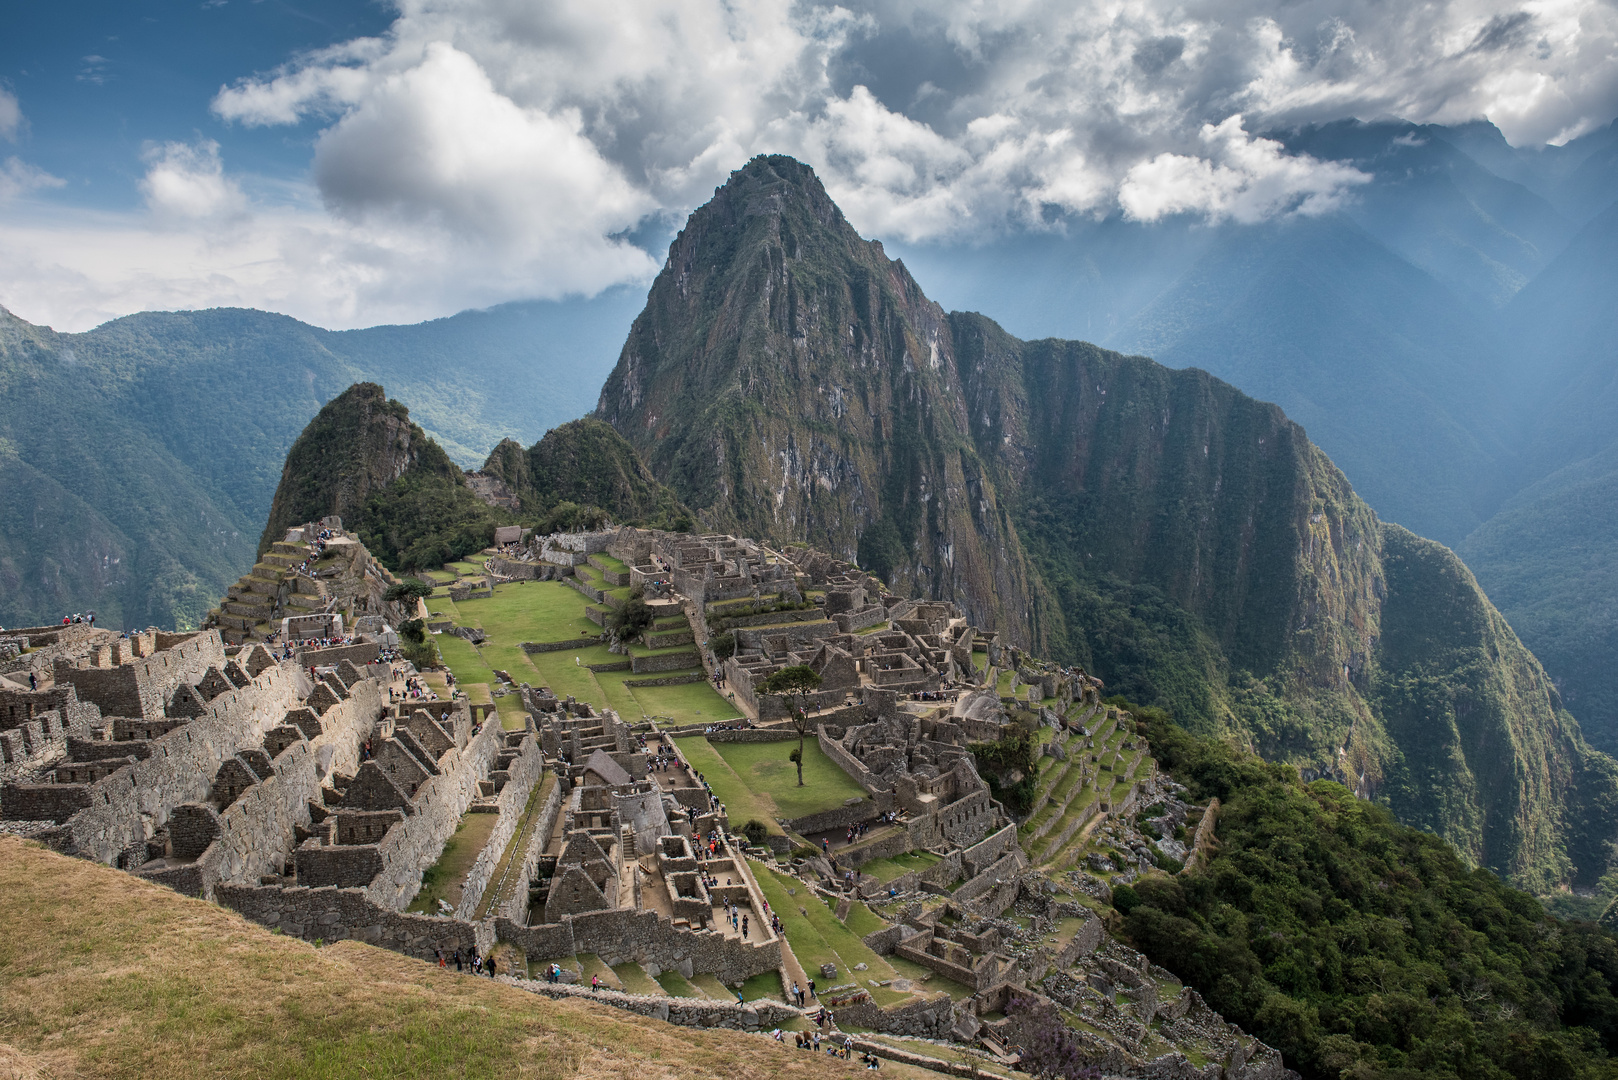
1183 541
789 381
358 444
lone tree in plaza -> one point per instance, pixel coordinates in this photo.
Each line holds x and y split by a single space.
797 680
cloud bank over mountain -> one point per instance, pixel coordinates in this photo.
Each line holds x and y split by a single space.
482 150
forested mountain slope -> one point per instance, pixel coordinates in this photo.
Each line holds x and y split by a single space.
1186 542
140 458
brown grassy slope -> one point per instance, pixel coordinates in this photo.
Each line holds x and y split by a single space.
105 975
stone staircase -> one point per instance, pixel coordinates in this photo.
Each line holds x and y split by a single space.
267 592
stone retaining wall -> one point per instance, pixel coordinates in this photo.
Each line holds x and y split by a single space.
650 665
925 1017
842 817
622 935
669 680
753 735
414 844
180 768
332 914
686 1012
850 764
521 776
556 646
516 908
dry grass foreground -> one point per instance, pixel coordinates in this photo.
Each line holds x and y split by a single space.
105 975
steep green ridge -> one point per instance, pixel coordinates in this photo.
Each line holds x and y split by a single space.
150 447
1180 539
1549 560
362 458
1360 947
358 444
588 463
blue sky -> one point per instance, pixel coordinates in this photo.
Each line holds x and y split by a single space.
100 81
351 163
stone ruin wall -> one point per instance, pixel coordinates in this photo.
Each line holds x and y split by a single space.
622 934
332 914
414 844
515 909
142 686
127 807
256 831
522 774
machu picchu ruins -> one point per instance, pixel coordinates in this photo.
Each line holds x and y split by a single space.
612 812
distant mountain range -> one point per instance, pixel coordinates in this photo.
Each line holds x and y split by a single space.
1447 338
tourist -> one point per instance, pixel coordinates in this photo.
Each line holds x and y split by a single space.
458 966
595 983
797 993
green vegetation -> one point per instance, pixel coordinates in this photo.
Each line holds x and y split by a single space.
580 466
1009 765
885 870
442 880
1360 947
767 770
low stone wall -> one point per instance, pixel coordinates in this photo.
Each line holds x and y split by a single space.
645 937
850 764
925 1017
331 914
579 642
521 776
854 622
669 680
650 665
753 735
686 1012
842 817
610 665
668 639
886 846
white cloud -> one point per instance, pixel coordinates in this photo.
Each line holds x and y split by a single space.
10 115
188 184
1243 179
486 149
18 178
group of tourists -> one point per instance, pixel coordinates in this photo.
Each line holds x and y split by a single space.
471 961
801 995
69 620
414 690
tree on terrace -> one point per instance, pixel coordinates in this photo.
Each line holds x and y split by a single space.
797 680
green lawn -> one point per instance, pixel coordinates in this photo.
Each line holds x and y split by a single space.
818 938
635 980
740 801
764 768
862 920
443 878
675 985
611 562
886 870
551 611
